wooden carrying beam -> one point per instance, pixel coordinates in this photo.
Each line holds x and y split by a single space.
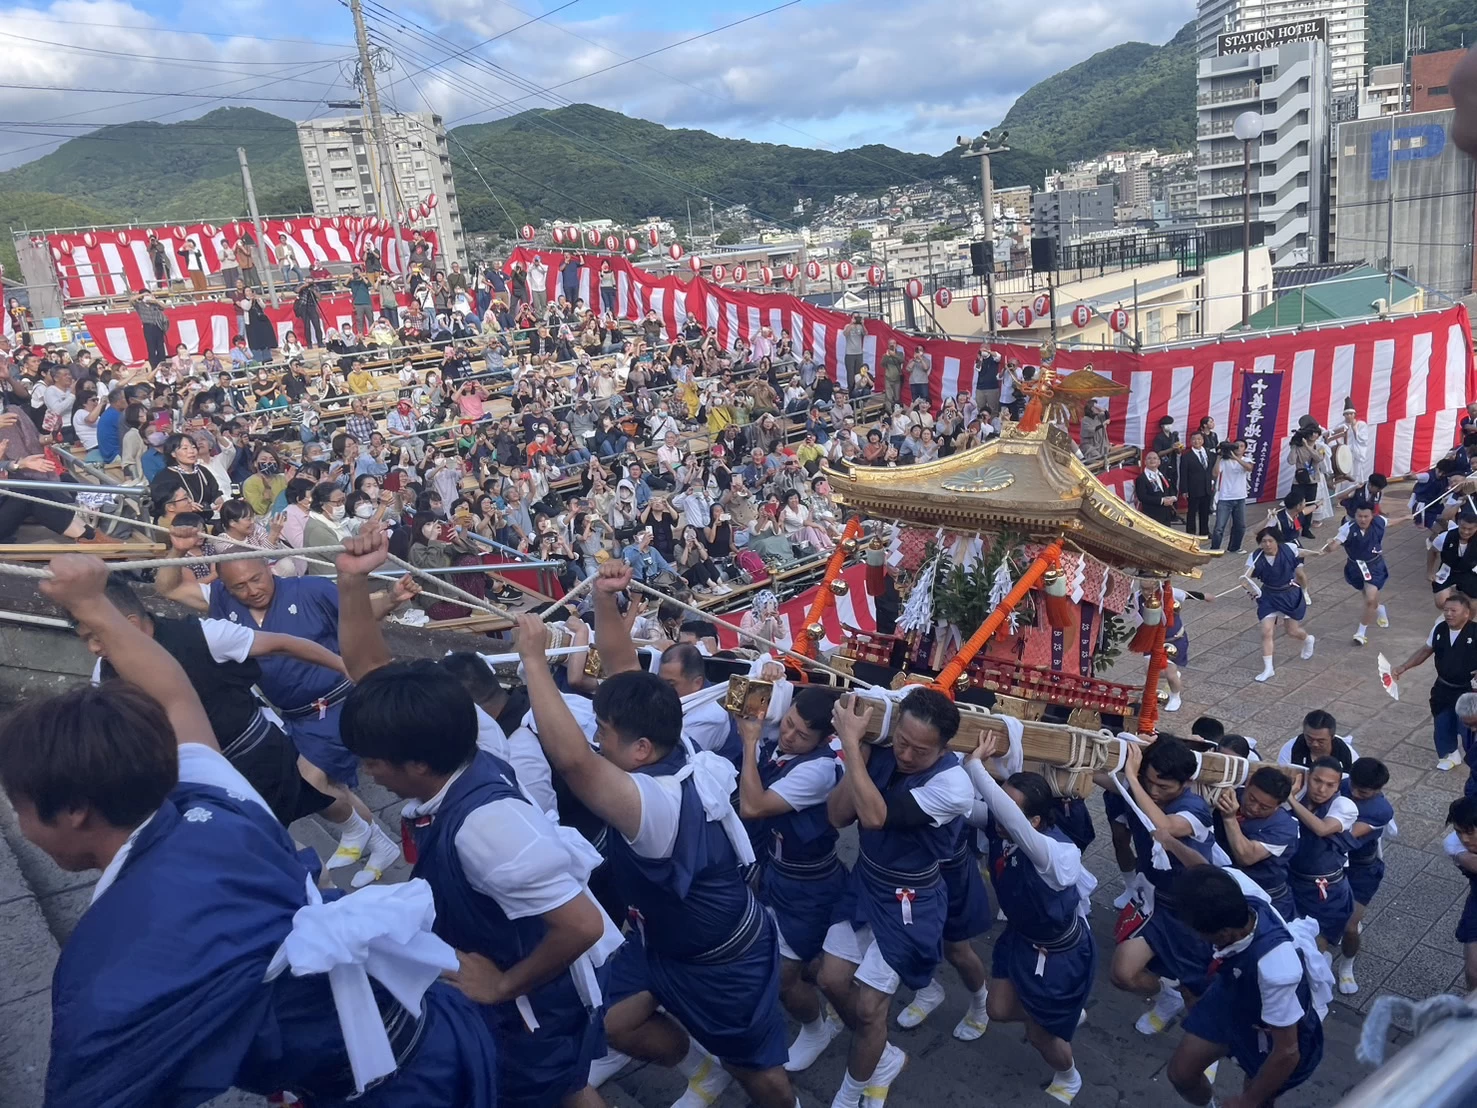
1073 753
45 551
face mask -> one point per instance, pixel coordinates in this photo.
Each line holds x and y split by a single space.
335 511
364 511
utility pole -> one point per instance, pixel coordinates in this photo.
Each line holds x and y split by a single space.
982 148
379 138
712 224
689 221
256 221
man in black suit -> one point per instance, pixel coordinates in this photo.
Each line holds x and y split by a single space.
1197 485
1154 493
1164 443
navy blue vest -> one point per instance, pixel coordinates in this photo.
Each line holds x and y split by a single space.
1281 828
1191 805
1238 976
1316 855
1033 908
693 900
1378 812
916 850
803 836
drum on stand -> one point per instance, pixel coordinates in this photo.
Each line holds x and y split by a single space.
1343 462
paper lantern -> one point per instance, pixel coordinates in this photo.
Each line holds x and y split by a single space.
1118 320
914 289
844 270
632 245
526 232
943 297
317 223
813 270
612 243
1041 306
695 264
336 222
558 235
675 251
1081 315
790 271
653 236
766 275
179 232
874 275
209 230
592 237
89 240
720 272
977 305
431 200
740 273
1002 317
1025 316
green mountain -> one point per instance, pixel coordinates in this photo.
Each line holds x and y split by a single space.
1129 96
1449 24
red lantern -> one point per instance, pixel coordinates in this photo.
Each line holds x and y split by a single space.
592 237
1081 315
431 200
694 263
1118 320
914 289
612 243
675 251
1002 317
719 272
1024 316
558 235
632 245
874 275
943 297
89 240
844 270
209 230
1041 306
813 270
766 275
977 305
740 273
337 222
56 252
179 232
526 232
653 236
790 271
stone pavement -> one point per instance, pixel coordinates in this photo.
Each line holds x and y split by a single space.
1408 940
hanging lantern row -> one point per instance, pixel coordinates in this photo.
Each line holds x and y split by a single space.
1118 320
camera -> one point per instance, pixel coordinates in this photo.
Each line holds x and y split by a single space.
1226 449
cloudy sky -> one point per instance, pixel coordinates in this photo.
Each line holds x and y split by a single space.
825 73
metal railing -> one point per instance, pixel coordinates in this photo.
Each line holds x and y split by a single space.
1252 90
1437 1069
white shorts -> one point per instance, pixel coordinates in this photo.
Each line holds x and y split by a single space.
860 949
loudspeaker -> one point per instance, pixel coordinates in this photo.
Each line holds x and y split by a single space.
1043 254
981 258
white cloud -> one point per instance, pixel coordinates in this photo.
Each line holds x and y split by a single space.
911 75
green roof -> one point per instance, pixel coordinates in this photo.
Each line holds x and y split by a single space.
1346 297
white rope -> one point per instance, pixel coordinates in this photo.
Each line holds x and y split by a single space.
1423 1015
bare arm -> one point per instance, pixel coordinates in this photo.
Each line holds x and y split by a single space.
294 646
77 583
1276 1069
612 634
1177 826
359 635
1322 827
603 787
172 582
569 931
851 727
1244 851
1414 660
755 801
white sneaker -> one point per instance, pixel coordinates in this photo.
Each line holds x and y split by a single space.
888 1067
705 1086
1167 1007
1065 1091
1307 648
925 1000
973 1024
812 1040
384 852
1382 620
1344 968
1450 762
602 1069
1173 703
1360 639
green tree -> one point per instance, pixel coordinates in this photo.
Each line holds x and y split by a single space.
941 231
860 239
730 236
909 238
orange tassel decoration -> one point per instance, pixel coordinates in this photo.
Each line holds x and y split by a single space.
1144 638
1149 705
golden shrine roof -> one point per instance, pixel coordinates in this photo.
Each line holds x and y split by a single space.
1029 481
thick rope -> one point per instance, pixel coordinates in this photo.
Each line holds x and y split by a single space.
1423 1015
16 570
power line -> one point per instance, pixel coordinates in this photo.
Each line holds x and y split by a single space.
133 55
26 16
192 95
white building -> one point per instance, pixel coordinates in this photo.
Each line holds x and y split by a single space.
342 172
1385 93
1289 86
1346 28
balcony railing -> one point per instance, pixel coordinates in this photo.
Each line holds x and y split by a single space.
1252 90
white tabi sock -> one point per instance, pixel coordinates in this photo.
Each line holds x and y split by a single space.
694 1059
1363 630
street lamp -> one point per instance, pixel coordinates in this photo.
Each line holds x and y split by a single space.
1248 126
982 147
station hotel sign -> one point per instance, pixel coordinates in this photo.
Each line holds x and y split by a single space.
1239 42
